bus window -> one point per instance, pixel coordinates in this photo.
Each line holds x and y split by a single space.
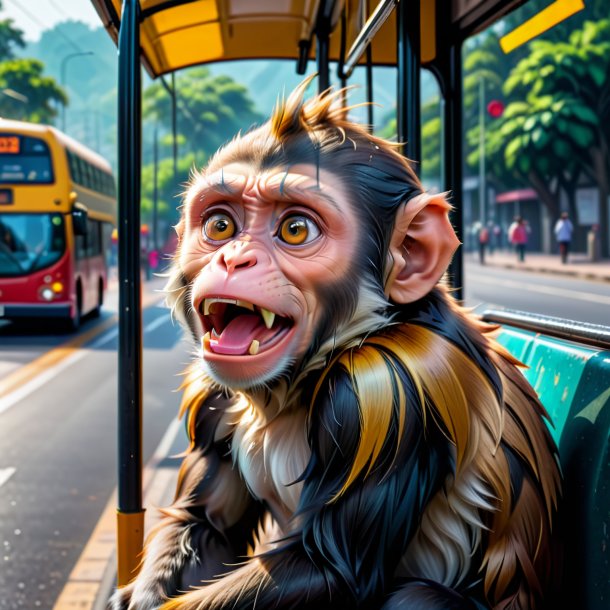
30 242
24 160
94 242
74 166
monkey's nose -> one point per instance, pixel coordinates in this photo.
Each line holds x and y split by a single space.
237 258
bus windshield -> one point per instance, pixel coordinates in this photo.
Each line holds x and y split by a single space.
29 242
24 160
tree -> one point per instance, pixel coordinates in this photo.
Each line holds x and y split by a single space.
559 127
169 188
211 109
42 93
10 37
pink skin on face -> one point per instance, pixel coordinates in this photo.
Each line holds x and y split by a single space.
236 245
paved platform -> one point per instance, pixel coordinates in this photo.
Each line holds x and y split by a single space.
578 265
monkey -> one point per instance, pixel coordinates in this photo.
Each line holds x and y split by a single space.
358 439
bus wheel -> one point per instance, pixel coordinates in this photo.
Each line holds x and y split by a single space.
100 300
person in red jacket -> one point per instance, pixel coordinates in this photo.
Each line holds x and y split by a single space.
517 236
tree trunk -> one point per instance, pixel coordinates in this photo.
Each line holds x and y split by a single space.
600 169
548 198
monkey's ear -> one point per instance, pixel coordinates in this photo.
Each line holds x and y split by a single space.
421 247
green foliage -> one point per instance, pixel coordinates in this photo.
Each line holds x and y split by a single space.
169 188
558 117
86 77
25 92
26 77
10 37
211 109
556 123
431 145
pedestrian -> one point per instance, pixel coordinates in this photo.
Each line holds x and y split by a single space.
483 243
517 236
563 232
495 236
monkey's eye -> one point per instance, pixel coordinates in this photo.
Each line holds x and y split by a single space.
297 230
218 227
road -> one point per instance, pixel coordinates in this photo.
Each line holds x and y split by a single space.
551 295
58 443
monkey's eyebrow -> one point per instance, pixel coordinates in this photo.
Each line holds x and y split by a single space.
220 187
286 192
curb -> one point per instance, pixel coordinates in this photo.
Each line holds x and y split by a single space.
586 275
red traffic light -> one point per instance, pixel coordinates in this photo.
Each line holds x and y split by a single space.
495 108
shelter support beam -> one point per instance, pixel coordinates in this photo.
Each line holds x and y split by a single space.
408 114
453 154
130 510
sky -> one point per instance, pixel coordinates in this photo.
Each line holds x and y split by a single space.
34 16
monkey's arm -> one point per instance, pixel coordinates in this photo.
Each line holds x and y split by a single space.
202 533
345 547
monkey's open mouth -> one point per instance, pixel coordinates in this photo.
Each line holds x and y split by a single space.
237 327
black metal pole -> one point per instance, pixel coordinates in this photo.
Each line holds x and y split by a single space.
408 85
322 44
342 50
175 127
369 88
155 223
130 323
453 154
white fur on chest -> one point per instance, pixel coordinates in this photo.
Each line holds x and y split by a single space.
271 455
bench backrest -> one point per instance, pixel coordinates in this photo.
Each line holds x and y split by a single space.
572 380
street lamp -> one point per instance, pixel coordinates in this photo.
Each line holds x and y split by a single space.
62 80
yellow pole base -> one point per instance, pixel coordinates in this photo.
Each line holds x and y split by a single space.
130 540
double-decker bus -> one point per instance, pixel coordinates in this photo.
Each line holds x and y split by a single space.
57 212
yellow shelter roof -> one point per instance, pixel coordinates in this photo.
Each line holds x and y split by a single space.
178 33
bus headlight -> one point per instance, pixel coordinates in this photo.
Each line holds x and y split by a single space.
47 293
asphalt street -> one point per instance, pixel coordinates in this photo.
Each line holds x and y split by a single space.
58 449
551 295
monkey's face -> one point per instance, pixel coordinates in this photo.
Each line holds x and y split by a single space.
258 249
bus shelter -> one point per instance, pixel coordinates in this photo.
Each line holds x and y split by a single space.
167 35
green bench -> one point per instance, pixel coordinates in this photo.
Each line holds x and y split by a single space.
569 367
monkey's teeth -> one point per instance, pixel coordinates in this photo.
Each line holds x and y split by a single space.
268 317
205 341
208 304
253 349
245 305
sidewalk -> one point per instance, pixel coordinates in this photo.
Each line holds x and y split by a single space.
578 265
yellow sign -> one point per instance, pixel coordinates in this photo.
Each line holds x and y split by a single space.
541 22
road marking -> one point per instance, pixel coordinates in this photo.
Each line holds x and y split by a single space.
590 297
92 578
16 387
6 474
156 323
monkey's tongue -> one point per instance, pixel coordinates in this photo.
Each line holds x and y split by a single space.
239 333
